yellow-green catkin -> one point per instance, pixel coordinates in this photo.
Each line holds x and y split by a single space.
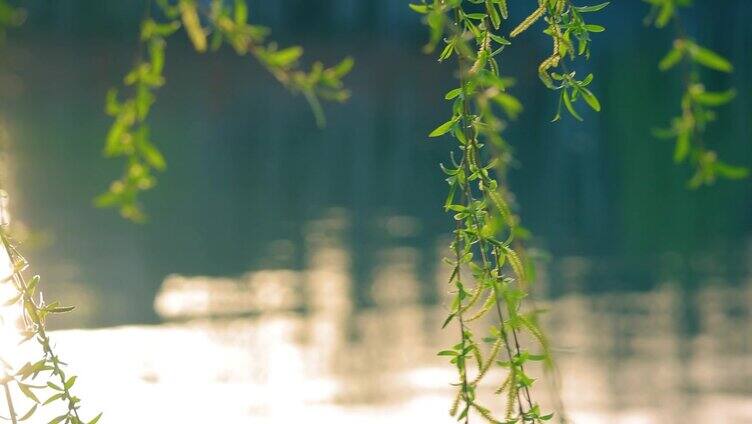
529 21
485 413
490 301
491 358
456 404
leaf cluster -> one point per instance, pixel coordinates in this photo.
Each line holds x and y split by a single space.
129 135
56 384
565 24
698 104
228 24
663 11
207 29
489 273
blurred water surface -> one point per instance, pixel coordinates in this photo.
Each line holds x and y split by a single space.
292 273
624 357
670 354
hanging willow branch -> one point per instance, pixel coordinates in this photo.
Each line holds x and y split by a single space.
565 24
57 383
488 238
208 29
698 105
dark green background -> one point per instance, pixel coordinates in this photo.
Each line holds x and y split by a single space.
247 166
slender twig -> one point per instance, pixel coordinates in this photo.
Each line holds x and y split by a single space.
9 401
458 282
470 152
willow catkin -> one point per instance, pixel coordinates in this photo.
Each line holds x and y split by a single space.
516 263
456 404
487 366
504 385
558 38
557 42
503 8
511 395
557 35
534 330
490 301
471 156
192 24
500 205
477 292
485 413
529 21
478 356
543 68
482 55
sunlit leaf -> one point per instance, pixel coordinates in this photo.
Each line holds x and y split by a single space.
443 128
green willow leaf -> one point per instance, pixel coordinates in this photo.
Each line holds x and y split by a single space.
682 147
709 58
59 419
192 24
731 172
420 8
29 413
595 28
286 57
590 99
594 8
453 93
715 98
443 128
26 390
673 57
53 398
568 105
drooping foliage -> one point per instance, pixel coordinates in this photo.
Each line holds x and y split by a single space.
10 16
698 104
208 29
44 380
491 273
565 24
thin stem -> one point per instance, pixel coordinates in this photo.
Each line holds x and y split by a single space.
504 335
689 75
471 150
458 283
9 400
140 51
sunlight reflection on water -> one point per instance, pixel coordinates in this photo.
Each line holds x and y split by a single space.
620 365
311 354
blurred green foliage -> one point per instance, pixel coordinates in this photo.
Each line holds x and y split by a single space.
208 29
698 104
